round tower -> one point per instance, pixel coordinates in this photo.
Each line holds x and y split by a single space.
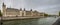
3 9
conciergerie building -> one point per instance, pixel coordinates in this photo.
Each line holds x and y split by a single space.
13 12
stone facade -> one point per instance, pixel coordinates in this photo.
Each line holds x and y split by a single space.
12 12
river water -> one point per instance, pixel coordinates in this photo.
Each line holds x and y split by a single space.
40 21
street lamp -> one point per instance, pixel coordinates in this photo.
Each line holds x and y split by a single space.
1 20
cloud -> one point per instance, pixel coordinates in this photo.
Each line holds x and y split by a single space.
1 4
48 6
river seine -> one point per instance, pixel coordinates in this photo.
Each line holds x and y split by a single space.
40 21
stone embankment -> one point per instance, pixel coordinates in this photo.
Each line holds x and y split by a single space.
9 18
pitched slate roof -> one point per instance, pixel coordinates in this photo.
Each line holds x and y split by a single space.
11 9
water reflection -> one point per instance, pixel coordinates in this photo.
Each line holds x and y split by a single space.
22 22
41 21
47 21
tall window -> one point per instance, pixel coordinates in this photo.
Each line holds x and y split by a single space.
28 13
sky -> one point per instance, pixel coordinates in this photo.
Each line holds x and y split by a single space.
48 6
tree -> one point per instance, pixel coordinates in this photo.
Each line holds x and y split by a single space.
59 13
45 15
0 13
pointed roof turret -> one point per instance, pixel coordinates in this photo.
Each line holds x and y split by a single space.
3 4
31 10
24 9
20 9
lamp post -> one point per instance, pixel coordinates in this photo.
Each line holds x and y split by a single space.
1 20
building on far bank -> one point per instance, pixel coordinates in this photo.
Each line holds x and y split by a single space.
12 12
